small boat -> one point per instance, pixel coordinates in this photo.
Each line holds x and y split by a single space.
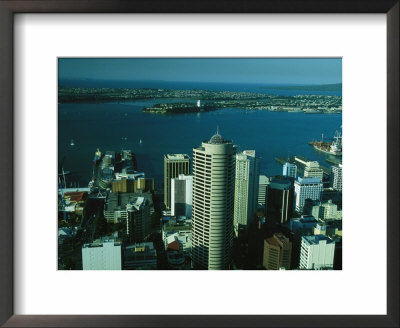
140 141
72 142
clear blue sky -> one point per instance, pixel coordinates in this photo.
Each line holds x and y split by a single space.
246 70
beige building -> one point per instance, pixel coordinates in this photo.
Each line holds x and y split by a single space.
213 200
246 188
326 211
277 252
174 164
312 170
123 185
131 185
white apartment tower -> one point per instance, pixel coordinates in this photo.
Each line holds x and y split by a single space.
307 188
317 252
263 183
213 203
174 164
290 170
336 177
246 188
181 195
102 254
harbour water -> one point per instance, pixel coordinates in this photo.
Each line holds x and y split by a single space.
116 126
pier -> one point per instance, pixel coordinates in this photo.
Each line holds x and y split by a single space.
333 161
300 161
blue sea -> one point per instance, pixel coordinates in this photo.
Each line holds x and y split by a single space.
116 126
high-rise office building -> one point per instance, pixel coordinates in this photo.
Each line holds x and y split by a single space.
317 252
181 195
174 164
119 208
312 170
263 183
307 188
213 198
280 199
290 170
103 254
277 252
138 223
246 188
336 177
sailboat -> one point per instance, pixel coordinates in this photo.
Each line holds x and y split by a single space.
72 142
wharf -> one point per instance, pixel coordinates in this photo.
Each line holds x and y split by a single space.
333 161
300 162
64 190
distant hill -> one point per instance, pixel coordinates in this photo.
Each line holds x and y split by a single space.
320 87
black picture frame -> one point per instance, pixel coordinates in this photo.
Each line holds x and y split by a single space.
10 7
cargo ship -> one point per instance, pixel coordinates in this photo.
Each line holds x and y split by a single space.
331 148
97 157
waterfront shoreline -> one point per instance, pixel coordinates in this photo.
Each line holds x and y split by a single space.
211 100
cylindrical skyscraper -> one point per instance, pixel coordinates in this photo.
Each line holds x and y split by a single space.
213 198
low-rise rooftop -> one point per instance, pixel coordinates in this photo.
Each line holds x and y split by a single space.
177 156
316 239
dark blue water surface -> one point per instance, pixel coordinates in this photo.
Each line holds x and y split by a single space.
106 125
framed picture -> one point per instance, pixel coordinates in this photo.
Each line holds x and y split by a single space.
38 291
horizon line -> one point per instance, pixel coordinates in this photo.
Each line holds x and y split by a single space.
185 81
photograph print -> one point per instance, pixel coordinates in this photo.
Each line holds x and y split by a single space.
200 164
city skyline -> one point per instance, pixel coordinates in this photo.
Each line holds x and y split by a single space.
165 193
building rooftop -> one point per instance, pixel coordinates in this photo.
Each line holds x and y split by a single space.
251 153
183 177
263 179
307 218
133 176
316 239
176 156
281 238
273 241
110 153
75 197
177 226
106 240
312 164
136 204
118 201
217 139
140 247
174 246
279 182
308 180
